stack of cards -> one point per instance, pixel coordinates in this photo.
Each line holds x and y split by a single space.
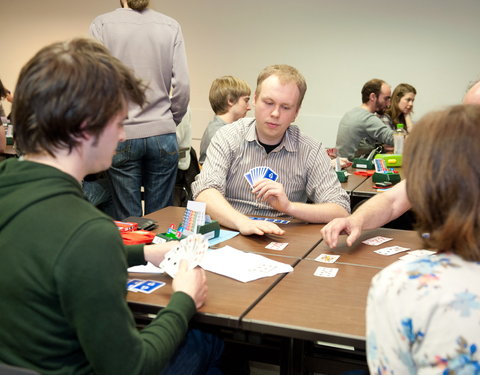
144 286
257 173
276 221
192 249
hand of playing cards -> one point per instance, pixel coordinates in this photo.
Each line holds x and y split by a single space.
258 173
192 249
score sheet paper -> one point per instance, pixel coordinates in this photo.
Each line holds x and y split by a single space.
241 266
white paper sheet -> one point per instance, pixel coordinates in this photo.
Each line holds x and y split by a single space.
148 268
240 265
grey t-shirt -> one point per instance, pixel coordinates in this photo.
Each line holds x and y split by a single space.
361 127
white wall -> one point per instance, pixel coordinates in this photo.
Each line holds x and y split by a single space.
337 44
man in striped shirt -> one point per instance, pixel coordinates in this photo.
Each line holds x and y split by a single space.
269 139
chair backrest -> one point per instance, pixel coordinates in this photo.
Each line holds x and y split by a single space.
12 370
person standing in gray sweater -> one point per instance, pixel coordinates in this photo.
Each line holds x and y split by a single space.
152 45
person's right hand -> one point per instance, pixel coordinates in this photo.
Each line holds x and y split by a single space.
192 282
336 227
247 226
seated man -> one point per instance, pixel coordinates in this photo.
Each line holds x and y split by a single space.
269 139
360 128
63 266
230 100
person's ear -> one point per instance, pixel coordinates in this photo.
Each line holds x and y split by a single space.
373 97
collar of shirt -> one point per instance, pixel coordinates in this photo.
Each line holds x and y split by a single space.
289 141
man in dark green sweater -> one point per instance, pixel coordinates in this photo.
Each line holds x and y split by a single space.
63 266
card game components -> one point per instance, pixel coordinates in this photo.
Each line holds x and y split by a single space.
258 173
276 221
326 272
192 249
194 221
391 250
277 246
144 286
375 241
383 174
327 258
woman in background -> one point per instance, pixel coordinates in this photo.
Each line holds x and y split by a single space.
401 107
423 315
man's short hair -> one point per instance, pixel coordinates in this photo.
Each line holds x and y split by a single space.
69 89
443 179
373 86
138 5
285 74
224 90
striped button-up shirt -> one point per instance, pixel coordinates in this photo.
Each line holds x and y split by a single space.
302 166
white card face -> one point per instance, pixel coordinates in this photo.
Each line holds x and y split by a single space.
415 254
326 272
277 245
391 250
421 253
327 258
192 248
375 241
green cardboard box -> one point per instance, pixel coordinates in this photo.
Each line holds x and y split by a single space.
390 176
363 164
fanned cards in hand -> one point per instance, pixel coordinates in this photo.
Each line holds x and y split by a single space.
192 249
257 173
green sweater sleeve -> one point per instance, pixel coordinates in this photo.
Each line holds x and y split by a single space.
135 255
91 274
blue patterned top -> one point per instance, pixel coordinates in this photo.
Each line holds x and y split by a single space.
423 317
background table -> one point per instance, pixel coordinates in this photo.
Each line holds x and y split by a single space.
366 190
308 307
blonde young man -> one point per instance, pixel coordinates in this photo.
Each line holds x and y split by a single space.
269 139
230 100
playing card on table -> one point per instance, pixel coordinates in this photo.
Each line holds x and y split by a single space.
276 245
132 283
147 286
327 258
391 250
375 241
415 254
326 272
192 249
421 253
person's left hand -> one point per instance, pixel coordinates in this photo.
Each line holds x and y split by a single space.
156 252
273 193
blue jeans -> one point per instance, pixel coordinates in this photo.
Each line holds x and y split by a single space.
149 162
98 193
199 354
